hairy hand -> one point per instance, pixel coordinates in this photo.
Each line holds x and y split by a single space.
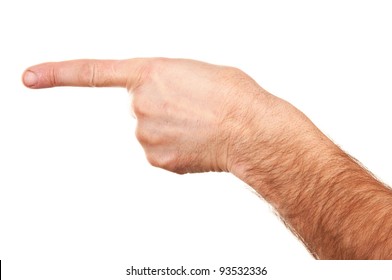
192 116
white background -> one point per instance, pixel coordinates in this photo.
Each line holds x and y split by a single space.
78 200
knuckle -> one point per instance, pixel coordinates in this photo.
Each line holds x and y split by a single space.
148 71
53 76
88 74
167 161
153 67
141 136
139 110
140 106
155 160
148 137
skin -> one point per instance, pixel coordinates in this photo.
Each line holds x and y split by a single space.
197 117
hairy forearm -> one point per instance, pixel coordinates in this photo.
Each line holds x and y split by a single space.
337 208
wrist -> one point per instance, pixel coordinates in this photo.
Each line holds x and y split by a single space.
275 147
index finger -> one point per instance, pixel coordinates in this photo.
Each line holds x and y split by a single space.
84 73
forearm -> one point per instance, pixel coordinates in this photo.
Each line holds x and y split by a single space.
334 205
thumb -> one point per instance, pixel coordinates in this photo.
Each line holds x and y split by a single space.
85 73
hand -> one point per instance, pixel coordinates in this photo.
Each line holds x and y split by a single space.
192 116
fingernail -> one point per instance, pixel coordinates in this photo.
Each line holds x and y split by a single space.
30 78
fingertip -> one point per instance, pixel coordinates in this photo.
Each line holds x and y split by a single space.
30 79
